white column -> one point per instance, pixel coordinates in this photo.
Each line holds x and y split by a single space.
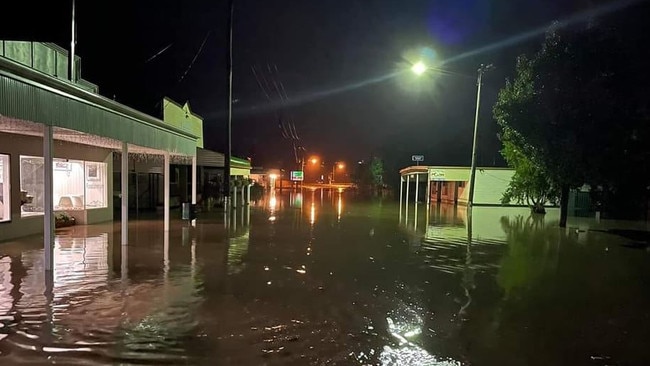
417 189
243 197
248 197
428 190
406 199
415 222
166 189
234 196
194 179
124 222
48 204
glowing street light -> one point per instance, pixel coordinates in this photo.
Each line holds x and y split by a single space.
419 68
340 165
314 161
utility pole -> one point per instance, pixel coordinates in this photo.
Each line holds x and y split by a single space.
73 44
228 152
472 178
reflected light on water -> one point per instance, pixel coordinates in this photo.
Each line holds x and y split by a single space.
273 203
408 352
412 355
237 250
339 206
6 300
312 213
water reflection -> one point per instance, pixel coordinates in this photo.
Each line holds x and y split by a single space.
355 285
83 309
237 250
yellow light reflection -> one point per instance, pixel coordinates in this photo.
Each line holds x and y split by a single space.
312 214
273 202
339 207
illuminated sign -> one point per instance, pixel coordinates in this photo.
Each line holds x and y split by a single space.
297 175
417 158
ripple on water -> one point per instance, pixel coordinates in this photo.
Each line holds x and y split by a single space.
85 315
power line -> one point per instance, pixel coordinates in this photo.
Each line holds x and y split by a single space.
205 39
159 53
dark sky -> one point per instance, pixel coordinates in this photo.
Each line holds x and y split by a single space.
317 46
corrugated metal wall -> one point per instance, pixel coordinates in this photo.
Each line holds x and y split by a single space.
22 99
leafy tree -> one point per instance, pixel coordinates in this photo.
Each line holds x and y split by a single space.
370 175
537 111
530 184
570 112
377 171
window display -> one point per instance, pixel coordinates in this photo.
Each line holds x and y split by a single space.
31 185
5 193
68 189
95 185
78 185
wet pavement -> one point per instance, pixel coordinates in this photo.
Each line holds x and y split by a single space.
324 278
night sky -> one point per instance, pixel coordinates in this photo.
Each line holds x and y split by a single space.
322 50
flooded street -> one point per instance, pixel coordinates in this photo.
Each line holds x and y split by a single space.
325 278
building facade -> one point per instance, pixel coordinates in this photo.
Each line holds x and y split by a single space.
58 141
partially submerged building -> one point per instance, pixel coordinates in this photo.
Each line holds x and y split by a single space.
58 138
449 184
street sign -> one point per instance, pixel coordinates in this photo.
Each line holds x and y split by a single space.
297 175
417 158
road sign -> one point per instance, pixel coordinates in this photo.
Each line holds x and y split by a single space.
297 175
417 158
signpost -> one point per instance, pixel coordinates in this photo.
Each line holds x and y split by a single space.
297 175
417 159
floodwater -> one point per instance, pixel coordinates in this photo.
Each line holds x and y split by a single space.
324 278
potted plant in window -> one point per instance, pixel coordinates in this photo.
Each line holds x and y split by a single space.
63 220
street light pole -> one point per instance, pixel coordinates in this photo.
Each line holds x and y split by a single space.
472 178
228 152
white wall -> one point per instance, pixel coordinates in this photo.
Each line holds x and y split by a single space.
491 183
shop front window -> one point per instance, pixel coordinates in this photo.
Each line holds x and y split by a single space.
31 186
5 192
78 185
68 192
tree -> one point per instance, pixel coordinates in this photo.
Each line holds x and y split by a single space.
377 171
569 111
370 175
530 184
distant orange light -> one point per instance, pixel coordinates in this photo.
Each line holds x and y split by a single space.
341 166
314 160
